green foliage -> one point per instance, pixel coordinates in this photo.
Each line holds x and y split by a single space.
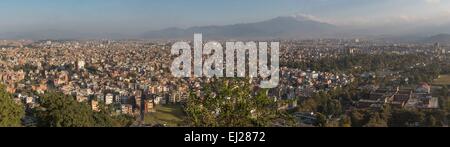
376 120
230 103
413 118
331 108
435 118
321 120
410 65
326 103
123 120
171 115
26 68
309 105
388 117
431 121
59 110
444 101
406 118
357 118
365 61
416 67
345 121
104 119
10 112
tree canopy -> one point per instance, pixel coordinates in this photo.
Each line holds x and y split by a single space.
10 112
230 103
59 110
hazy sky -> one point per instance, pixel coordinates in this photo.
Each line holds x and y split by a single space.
134 16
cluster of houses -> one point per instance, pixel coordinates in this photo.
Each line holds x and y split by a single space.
418 98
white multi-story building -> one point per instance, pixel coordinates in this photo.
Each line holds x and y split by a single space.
81 64
109 99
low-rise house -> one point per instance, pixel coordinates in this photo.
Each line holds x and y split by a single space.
94 106
109 99
127 109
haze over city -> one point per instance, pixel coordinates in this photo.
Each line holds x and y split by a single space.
121 19
224 63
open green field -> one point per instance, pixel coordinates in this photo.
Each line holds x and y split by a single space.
171 115
442 80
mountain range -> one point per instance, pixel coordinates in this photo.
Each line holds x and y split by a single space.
288 27
440 38
277 28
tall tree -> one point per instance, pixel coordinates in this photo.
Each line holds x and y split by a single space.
356 118
430 121
345 121
58 110
406 118
229 103
321 120
376 121
10 112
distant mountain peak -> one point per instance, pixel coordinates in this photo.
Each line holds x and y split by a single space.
442 35
440 38
307 17
300 26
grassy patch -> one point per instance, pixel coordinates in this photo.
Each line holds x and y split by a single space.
442 80
171 115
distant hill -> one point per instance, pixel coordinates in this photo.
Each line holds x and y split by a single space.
277 28
286 27
440 38
60 34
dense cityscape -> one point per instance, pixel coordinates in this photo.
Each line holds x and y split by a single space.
253 68
128 83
